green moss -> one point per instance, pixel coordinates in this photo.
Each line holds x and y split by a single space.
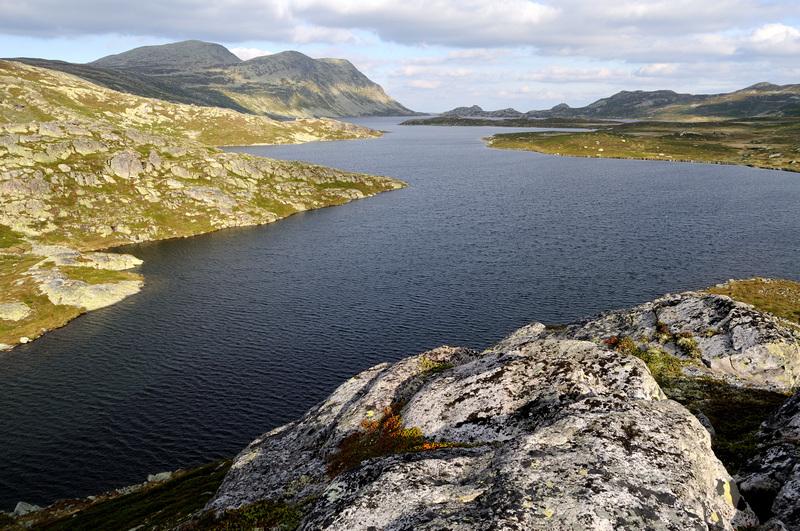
662 365
735 413
266 514
688 345
779 297
429 366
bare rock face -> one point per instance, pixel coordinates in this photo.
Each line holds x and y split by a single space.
534 433
772 479
732 339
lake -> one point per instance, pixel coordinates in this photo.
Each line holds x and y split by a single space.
242 330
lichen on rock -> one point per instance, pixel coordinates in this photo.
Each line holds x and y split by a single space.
541 433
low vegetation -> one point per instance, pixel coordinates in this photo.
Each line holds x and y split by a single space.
776 296
385 436
763 143
736 413
155 506
268 514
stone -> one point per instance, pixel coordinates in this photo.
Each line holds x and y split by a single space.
24 508
86 146
536 433
14 311
161 476
126 165
734 340
771 480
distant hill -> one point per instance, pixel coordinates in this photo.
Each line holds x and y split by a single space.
286 84
759 100
477 112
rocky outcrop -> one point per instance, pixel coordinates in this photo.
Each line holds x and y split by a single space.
534 433
728 339
771 481
552 428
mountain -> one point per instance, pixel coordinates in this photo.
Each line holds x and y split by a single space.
179 56
759 100
286 84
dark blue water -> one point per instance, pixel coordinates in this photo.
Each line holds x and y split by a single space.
239 331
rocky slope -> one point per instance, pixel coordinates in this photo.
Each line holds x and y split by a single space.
283 84
552 428
84 168
772 478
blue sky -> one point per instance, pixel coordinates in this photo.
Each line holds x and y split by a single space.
436 54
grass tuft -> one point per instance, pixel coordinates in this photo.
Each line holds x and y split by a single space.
386 436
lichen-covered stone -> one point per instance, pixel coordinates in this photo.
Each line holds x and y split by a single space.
14 311
539 433
732 339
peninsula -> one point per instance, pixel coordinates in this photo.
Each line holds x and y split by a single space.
84 168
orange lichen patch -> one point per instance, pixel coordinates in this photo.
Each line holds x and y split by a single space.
386 436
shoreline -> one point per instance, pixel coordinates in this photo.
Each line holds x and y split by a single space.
141 279
488 144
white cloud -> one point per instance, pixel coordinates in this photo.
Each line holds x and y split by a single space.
778 39
563 74
427 84
249 53
658 70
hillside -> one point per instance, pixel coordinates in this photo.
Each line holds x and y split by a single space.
286 84
84 168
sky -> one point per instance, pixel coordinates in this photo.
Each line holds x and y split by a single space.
433 55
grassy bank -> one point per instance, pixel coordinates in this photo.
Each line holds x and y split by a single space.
767 143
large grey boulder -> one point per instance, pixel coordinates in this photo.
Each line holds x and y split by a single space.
534 433
771 481
732 339
126 165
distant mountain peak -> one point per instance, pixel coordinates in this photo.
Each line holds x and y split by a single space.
763 85
185 55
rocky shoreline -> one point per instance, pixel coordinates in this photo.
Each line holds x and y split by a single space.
85 169
620 421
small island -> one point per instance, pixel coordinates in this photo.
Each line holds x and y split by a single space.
771 143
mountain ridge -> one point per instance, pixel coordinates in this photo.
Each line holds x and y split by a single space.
761 99
286 84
